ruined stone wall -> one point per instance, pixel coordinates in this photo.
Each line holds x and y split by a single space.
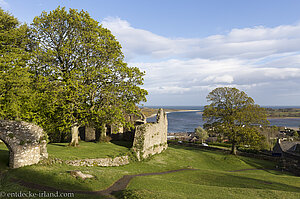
26 142
90 133
151 138
103 162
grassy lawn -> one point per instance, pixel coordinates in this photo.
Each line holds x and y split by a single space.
212 179
87 150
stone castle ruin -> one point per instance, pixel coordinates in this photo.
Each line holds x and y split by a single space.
148 138
26 142
151 138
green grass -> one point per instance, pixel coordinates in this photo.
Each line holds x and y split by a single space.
87 150
212 178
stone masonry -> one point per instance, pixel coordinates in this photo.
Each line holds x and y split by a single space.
90 133
103 162
26 142
151 138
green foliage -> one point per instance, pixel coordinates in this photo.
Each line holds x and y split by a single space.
15 81
201 133
65 70
220 144
79 70
22 142
296 135
234 114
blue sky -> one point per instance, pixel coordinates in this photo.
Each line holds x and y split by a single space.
188 48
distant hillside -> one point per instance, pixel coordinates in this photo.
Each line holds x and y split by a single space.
283 112
271 112
148 112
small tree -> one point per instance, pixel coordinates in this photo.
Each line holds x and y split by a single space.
234 114
201 133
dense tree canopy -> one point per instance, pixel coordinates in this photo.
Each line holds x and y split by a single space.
65 71
15 82
232 113
79 66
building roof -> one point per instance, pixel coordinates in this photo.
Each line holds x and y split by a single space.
288 146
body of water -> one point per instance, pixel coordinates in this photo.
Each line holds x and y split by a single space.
188 121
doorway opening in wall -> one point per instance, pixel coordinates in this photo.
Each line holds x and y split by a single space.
4 156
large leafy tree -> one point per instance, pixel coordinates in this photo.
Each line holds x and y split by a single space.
232 113
15 79
80 68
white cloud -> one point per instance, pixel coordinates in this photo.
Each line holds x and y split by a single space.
248 43
199 72
4 4
219 79
264 61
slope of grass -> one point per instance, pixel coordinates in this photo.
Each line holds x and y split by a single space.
211 179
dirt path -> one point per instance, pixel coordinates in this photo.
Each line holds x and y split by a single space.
119 185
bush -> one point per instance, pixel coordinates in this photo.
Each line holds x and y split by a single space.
248 150
220 144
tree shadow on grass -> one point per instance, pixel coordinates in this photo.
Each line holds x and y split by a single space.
258 164
34 178
44 177
126 144
229 180
197 148
59 144
253 183
25 178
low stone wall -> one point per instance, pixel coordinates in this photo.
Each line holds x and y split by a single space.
103 162
151 138
26 142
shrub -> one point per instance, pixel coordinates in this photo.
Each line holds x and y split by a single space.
220 144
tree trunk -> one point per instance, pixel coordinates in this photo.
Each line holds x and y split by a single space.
233 149
103 131
74 133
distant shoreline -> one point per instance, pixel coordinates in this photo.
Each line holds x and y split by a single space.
283 117
188 110
173 111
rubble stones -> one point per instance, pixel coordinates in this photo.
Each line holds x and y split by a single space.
103 162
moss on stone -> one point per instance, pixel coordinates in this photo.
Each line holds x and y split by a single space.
10 135
22 142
